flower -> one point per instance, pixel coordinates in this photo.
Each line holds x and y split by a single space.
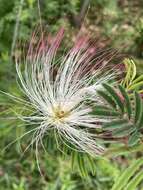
63 91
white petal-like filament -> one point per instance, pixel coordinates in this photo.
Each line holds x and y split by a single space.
59 91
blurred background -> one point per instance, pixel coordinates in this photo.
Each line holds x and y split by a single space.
114 23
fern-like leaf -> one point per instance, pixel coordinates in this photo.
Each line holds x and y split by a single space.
125 182
125 117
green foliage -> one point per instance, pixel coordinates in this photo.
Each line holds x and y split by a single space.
131 82
52 13
127 120
130 178
120 24
84 163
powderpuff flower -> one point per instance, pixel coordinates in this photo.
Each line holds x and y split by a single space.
62 92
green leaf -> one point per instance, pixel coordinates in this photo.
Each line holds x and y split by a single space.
135 181
135 86
134 70
138 107
119 123
91 164
73 159
123 179
138 79
81 165
127 100
140 122
134 138
124 131
131 72
115 96
107 98
105 112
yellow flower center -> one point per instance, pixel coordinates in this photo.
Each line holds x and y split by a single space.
60 114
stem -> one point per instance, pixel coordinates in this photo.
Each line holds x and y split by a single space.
78 19
16 27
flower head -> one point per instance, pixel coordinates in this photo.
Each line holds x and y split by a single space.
63 91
